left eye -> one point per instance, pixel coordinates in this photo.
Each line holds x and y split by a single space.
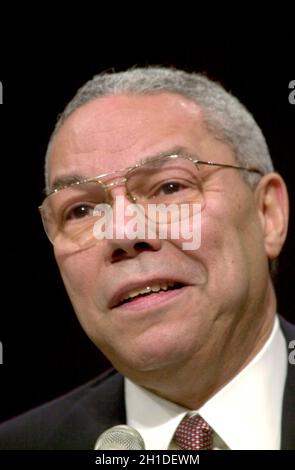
171 187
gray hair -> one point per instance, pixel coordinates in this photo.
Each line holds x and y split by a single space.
225 117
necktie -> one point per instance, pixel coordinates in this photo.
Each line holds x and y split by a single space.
194 433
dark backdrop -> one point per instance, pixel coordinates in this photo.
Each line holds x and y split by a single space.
45 351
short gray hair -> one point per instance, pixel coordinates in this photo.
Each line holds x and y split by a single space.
225 117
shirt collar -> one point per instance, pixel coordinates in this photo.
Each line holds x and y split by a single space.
246 413
154 417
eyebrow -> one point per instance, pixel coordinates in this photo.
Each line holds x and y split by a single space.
64 181
177 150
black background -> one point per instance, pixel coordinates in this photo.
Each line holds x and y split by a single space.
45 351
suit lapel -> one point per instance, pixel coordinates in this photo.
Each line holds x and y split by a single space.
288 415
108 407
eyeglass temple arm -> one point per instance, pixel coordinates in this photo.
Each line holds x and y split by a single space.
226 165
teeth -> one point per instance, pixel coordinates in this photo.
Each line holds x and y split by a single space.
155 288
146 290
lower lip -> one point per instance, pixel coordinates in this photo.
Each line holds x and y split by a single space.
153 300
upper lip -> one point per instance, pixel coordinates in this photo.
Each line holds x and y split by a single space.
123 290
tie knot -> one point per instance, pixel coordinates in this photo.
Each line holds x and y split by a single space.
194 433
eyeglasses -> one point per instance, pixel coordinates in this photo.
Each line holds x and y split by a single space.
69 214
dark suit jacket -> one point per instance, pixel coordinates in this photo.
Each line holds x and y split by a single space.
75 420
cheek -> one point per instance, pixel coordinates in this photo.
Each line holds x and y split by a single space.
231 243
79 272
207 237
235 248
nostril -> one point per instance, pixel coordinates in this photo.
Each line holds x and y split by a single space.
118 254
143 246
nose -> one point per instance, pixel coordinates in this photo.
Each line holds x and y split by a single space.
130 232
130 249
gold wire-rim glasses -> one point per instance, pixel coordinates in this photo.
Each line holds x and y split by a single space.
127 172
130 169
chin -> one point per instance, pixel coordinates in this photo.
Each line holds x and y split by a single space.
148 359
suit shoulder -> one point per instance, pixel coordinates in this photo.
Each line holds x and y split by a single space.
72 421
287 328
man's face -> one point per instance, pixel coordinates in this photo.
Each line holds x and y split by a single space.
221 298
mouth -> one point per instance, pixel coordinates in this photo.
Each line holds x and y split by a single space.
154 289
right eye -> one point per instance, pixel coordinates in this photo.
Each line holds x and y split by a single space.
79 212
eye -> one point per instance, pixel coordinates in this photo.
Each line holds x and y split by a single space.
170 187
79 211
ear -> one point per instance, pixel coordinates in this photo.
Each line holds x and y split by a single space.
273 208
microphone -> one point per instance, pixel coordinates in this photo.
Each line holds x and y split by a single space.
120 437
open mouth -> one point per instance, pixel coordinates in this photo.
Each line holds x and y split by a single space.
153 289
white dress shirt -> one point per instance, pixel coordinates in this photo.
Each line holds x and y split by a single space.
245 414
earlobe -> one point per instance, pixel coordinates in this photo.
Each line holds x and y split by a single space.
273 208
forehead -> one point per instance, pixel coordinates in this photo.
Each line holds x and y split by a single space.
114 132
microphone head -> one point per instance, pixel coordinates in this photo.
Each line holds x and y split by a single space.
120 437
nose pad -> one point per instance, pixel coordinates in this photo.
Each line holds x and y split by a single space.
111 189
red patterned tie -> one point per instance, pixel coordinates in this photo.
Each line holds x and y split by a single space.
194 433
